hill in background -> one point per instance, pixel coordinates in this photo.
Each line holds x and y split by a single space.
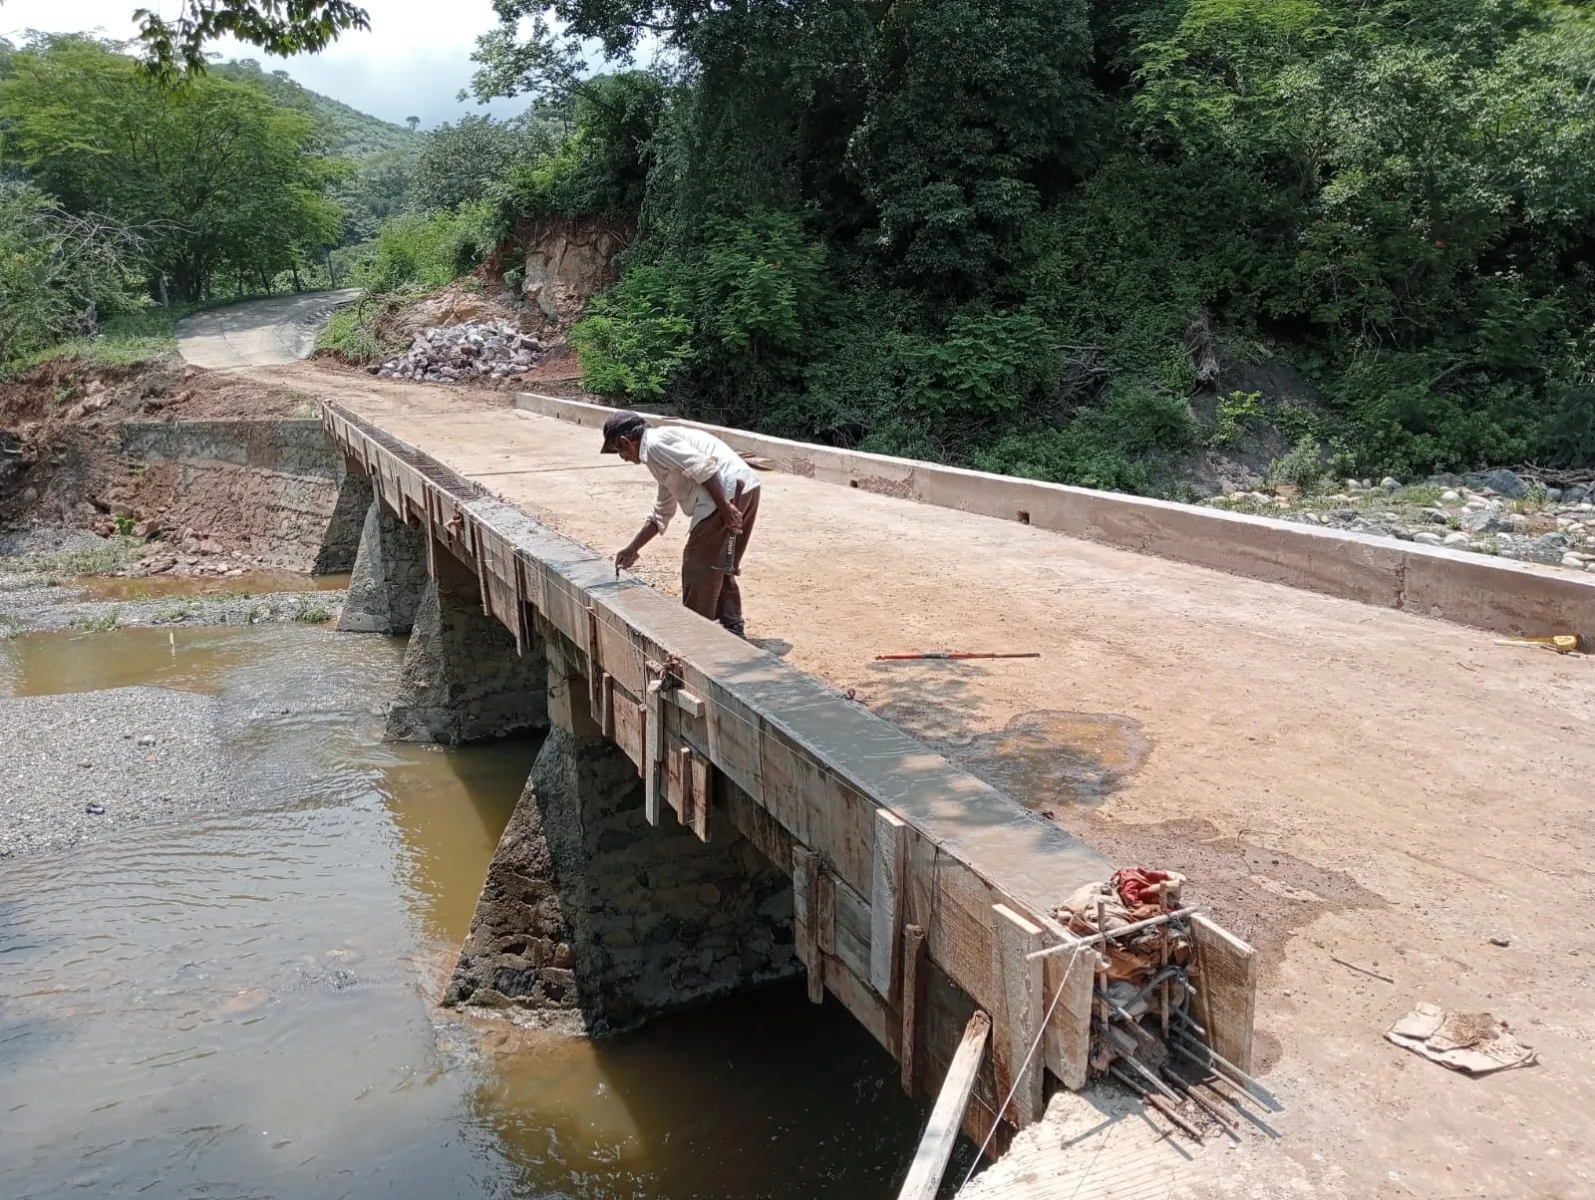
350 132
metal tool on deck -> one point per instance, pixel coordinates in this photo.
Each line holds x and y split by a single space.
957 654
730 567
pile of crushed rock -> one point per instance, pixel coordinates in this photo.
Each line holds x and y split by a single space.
455 353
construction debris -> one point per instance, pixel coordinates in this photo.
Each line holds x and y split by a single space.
1144 1031
1474 1043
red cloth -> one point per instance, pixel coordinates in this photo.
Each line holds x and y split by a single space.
1137 886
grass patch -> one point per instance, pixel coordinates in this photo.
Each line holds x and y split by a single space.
10 627
102 623
144 335
308 612
99 560
174 611
353 332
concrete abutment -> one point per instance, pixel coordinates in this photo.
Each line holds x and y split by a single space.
463 678
588 909
389 573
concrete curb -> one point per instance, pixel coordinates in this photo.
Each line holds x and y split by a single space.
1499 595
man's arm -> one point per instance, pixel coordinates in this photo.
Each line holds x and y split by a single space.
729 512
664 509
633 548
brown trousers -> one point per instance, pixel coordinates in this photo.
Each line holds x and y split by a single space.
705 588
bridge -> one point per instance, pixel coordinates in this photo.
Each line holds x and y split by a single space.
1272 709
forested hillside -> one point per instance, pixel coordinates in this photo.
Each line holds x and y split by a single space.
1038 235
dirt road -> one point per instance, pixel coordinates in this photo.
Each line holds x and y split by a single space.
258 333
1338 780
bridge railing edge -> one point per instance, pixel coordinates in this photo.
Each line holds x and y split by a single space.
1498 595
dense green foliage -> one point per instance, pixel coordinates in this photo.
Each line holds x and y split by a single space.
215 178
1027 233
59 273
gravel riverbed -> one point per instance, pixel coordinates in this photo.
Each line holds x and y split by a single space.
83 764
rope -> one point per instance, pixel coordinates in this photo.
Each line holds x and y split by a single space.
1020 1073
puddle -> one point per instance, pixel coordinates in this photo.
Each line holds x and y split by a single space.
1047 759
233 1004
252 583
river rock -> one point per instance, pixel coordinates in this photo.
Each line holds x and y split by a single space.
1486 518
1502 482
455 353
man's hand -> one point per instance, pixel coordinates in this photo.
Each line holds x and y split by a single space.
732 516
626 558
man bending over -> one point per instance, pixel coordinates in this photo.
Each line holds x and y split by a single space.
708 480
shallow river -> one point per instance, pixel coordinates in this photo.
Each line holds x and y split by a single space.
237 1006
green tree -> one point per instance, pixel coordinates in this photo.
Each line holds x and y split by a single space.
59 273
459 162
218 177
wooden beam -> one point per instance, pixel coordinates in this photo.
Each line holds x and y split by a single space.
908 1039
941 1133
1020 981
805 906
687 702
886 904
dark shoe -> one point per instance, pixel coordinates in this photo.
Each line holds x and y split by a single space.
739 628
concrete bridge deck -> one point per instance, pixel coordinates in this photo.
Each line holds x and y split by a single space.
1342 780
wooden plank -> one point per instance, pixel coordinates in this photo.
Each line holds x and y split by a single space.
678 782
759 827
825 913
619 652
630 726
863 1003
947 1117
1226 990
606 705
702 794
790 779
841 825
1068 1044
886 904
805 902
852 932
653 735
908 1037
960 930
1017 1051
734 740
687 702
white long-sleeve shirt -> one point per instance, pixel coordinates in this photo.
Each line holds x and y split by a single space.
682 460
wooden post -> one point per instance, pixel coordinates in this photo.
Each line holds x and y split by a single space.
805 911
941 1133
606 705
1020 980
653 752
908 1038
886 902
702 792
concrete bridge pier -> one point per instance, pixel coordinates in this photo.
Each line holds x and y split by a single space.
389 570
589 910
340 541
463 680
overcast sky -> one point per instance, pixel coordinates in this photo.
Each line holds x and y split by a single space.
413 61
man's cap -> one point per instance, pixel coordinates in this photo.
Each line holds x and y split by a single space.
621 424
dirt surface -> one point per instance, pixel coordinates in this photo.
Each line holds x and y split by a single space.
257 333
1338 780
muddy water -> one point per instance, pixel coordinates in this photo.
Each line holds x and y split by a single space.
237 1005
